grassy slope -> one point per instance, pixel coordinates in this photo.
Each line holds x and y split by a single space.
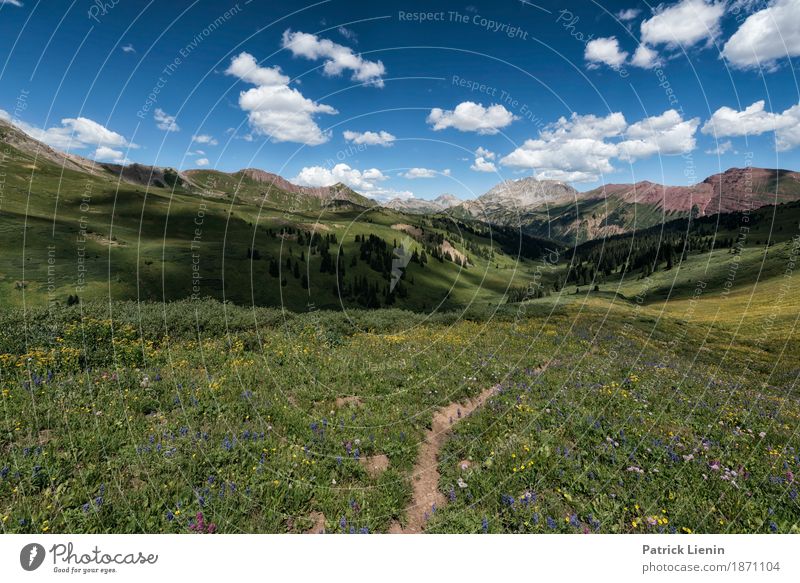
150 256
241 422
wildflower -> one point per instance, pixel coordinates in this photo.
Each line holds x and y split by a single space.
485 525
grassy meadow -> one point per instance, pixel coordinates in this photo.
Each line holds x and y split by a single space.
606 417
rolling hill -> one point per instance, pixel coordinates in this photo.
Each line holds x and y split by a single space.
70 226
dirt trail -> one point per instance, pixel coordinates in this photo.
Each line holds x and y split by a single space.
425 476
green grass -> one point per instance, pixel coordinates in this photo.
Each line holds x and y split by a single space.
68 232
202 407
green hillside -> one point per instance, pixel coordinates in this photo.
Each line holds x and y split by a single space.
65 232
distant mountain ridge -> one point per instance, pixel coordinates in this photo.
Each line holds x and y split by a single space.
421 206
247 178
541 208
555 210
509 197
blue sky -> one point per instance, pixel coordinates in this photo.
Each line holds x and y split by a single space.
401 98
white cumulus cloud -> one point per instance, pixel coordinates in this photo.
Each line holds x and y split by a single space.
414 173
202 162
482 164
471 117
380 138
365 181
604 51
76 133
338 58
274 109
571 159
766 37
586 126
106 154
753 121
684 23
667 134
584 147
245 67
645 57
628 14
204 139
164 121
484 153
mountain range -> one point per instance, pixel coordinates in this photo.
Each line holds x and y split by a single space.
421 206
555 210
541 208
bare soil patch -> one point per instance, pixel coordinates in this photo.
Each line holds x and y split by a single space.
351 400
458 256
375 464
415 232
318 518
